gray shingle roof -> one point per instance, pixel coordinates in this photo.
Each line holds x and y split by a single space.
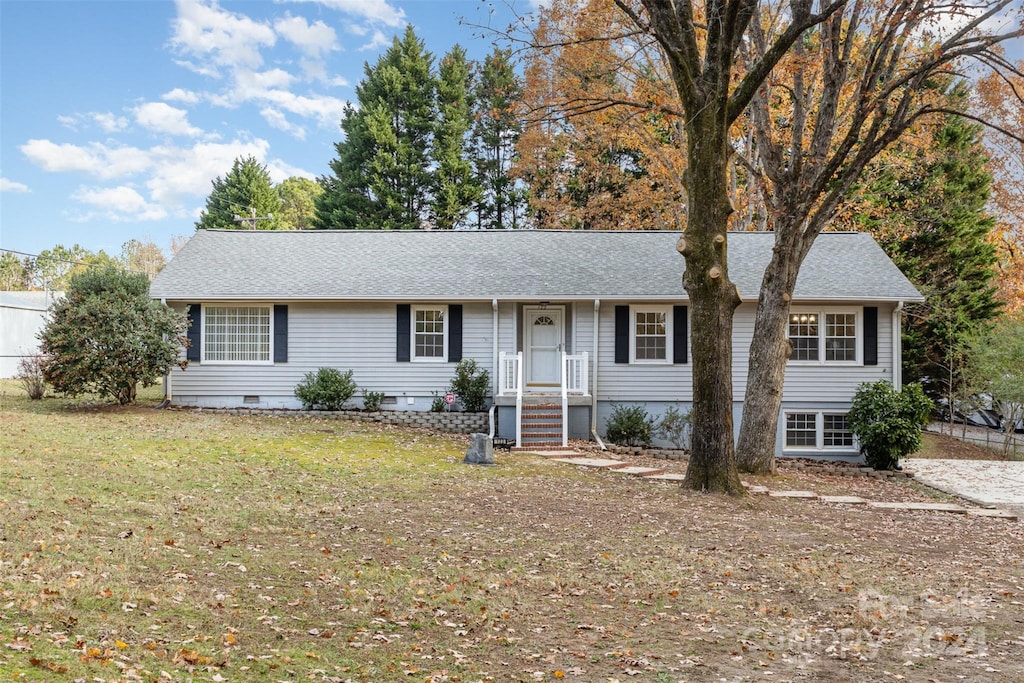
535 264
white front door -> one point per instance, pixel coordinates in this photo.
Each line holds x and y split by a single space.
543 338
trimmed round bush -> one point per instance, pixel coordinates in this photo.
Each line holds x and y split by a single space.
325 389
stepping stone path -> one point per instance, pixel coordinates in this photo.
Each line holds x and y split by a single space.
657 474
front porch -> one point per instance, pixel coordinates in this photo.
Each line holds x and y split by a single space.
544 415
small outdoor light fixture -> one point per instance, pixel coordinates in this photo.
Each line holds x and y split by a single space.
544 304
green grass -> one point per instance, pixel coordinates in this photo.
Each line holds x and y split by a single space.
142 544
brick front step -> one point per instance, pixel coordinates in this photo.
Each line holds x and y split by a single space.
543 446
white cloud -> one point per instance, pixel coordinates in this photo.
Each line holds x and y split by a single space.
95 159
120 203
180 173
12 186
174 176
377 41
276 119
161 117
111 123
251 85
68 121
181 95
380 11
223 39
314 39
280 170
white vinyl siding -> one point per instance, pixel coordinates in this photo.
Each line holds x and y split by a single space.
343 335
622 382
237 334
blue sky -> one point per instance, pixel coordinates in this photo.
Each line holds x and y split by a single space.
116 116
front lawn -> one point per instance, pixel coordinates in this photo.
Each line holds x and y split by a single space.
141 544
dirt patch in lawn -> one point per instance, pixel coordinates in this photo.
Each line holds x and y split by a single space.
215 547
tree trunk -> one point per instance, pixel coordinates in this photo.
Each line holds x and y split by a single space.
769 351
713 300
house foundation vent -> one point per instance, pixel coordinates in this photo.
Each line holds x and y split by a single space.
250 399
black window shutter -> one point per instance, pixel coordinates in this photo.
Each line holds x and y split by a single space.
280 334
622 334
680 334
403 333
195 333
454 333
870 335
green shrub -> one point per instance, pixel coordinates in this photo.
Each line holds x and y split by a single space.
106 336
674 426
470 385
888 422
438 405
372 400
326 389
630 426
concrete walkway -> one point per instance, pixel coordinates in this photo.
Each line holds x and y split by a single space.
985 482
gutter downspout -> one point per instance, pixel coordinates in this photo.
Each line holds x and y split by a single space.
897 347
495 368
593 384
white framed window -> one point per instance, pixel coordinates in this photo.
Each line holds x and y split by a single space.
836 431
803 335
825 336
651 334
237 334
429 341
801 430
817 431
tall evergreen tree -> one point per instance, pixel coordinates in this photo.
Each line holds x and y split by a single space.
245 192
927 210
381 176
498 93
455 188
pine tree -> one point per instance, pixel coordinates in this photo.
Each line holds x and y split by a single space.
927 210
498 93
381 176
245 192
455 189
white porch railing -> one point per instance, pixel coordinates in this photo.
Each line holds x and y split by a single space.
509 365
573 381
575 375
510 381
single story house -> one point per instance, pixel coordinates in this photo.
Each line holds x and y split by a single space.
568 323
22 317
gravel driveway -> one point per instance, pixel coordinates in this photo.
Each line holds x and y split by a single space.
987 482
